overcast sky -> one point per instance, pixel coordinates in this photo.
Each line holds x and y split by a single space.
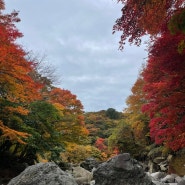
76 36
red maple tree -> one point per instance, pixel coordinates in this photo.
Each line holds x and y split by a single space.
164 78
143 17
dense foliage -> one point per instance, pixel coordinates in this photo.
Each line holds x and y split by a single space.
165 91
132 133
101 125
163 77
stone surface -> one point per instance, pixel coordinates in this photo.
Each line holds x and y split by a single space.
169 178
181 182
123 162
161 178
164 166
121 170
81 175
153 167
92 182
158 160
158 175
158 182
178 179
43 174
89 164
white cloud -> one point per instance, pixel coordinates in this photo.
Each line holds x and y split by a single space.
77 38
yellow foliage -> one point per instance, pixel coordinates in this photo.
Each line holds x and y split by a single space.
78 153
59 107
12 135
18 109
41 159
84 131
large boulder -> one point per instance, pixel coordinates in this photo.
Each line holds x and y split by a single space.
181 182
121 170
42 174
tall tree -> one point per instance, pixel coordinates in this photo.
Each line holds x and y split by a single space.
138 120
165 90
72 124
17 88
41 123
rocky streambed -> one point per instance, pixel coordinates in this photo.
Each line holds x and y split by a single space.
119 170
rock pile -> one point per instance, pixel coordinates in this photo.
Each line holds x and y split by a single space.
119 170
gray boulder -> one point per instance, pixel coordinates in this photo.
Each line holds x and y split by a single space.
157 175
169 178
81 175
42 174
121 170
181 182
89 164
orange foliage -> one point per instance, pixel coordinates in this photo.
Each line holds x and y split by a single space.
71 105
17 88
15 82
12 135
72 124
67 99
19 110
100 144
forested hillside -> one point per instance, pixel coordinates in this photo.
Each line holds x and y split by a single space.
101 125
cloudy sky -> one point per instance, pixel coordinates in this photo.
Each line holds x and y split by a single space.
76 36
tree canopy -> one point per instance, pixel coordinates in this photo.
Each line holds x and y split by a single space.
144 17
163 76
165 90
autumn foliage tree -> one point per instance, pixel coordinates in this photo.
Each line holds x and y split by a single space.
132 133
75 153
138 120
41 123
72 124
123 140
16 86
143 17
164 74
165 90
100 144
